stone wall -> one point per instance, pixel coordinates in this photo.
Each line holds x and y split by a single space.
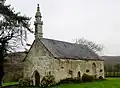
63 67
13 66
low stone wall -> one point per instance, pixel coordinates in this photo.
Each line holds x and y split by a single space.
13 66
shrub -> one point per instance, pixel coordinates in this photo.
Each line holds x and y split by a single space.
70 80
101 78
87 78
66 80
16 77
25 82
77 79
48 80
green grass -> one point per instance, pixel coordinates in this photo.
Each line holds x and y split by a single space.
108 83
9 83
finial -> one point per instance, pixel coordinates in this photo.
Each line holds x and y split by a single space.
38 8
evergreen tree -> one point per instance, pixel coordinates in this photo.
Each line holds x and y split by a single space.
13 28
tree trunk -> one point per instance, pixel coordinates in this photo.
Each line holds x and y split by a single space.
1 73
1 68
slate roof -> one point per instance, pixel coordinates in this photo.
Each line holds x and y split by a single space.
65 50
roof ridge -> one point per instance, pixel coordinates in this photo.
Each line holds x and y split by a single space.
62 41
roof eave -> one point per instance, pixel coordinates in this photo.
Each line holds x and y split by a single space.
78 59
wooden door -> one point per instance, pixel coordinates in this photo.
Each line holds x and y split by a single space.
37 79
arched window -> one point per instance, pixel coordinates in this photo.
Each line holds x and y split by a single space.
71 73
94 69
87 70
49 73
101 70
94 64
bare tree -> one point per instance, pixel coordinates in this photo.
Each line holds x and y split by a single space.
13 28
91 45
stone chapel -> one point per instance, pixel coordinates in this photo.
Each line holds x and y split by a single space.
58 58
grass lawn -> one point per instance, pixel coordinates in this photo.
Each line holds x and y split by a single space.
108 83
9 83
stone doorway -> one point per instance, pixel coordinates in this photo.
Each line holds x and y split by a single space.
37 78
78 74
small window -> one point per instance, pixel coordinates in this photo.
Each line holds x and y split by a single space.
87 70
49 72
101 70
94 64
70 72
62 67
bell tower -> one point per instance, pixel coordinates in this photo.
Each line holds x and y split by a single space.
38 24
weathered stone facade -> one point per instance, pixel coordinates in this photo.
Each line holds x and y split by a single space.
61 59
41 60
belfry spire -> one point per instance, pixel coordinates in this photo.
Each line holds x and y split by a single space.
38 24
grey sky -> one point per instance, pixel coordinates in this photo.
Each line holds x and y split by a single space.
96 20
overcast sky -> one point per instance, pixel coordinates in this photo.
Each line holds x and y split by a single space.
66 20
